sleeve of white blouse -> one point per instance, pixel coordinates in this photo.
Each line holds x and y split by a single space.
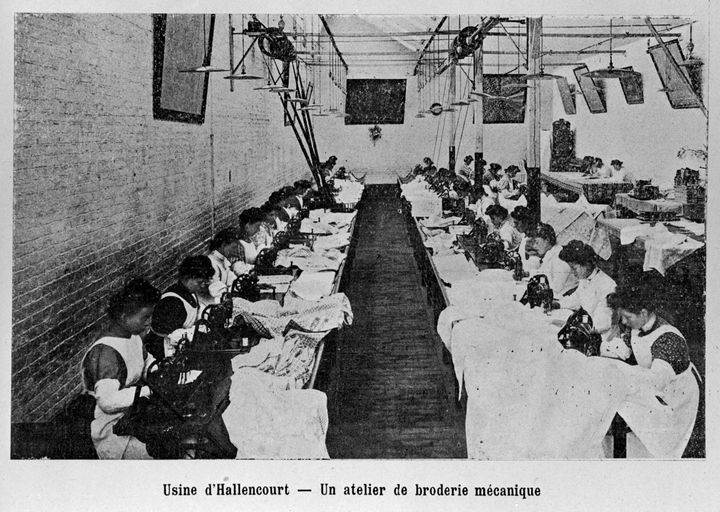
602 317
572 301
111 399
149 360
661 374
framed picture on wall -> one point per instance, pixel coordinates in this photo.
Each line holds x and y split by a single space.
632 88
510 106
676 89
567 96
591 89
181 41
375 101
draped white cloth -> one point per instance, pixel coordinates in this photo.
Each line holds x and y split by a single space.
527 397
267 419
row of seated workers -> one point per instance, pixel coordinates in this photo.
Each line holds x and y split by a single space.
626 315
141 318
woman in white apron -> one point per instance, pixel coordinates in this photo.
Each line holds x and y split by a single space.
114 365
663 403
224 251
523 222
179 306
252 238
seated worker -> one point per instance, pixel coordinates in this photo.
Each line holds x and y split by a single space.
543 244
303 191
503 226
270 223
594 286
115 364
466 172
524 222
341 174
619 173
602 170
415 173
224 251
662 412
327 167
179 306
427 163
252 238
492 175
480 201
507 186
587 166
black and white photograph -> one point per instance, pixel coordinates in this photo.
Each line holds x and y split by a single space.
304 258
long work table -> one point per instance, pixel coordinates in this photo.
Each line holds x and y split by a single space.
527 396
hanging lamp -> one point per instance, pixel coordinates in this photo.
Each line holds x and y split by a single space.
611 71
243 74
691 61
420 114
541 75
205 67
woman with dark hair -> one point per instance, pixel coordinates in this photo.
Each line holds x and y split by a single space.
492 175
507 186
224 252
327 167
303 191
179 306
502 225
662 409
252 238
524 222
594 286
466 172
115 364
542 243
427 163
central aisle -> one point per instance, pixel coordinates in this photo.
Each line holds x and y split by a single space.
389 393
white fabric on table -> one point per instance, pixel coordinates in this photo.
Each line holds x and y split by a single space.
439 222
452 268
316 228
336 241
527 397
313 285
663 249
267 421
296 332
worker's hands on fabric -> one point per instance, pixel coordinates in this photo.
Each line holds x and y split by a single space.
615 348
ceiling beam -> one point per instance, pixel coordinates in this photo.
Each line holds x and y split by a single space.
332 39
595 35
427 44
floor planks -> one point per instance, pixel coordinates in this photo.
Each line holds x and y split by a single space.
390 395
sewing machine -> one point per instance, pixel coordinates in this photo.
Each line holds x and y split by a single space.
645 191
578 334
183 415
538 293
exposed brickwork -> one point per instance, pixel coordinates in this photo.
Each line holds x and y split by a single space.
103 192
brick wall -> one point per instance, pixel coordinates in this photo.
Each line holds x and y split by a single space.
103 192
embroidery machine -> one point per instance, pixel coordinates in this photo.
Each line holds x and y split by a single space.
578 334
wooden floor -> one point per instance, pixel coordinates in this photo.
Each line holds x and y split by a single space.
390 395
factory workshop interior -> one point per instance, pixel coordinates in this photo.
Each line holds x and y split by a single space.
310 236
